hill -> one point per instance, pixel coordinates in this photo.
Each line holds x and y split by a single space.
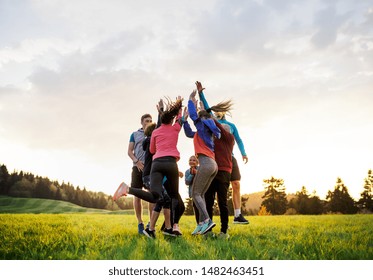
37 205
255 200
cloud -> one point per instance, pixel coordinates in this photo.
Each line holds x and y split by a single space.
77 81
334 21
231 26
21 21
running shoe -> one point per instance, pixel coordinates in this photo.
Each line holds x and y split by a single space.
176 230
149 233
140 228
122 190
240 220
197 229
206 226
168 231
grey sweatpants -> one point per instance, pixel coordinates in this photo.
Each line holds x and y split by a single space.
206 172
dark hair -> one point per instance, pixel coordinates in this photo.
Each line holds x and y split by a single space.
172 111
149 129
204 114
145 116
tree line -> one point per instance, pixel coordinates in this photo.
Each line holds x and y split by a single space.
28 185
275 200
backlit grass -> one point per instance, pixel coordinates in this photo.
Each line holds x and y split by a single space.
112 237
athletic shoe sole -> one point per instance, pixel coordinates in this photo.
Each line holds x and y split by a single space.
147 234
168 233
177 233
121 191
208 228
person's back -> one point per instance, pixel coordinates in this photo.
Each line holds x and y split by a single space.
235 175
224 148
165 159
164 141
204 149
220 184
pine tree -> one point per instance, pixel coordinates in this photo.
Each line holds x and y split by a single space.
305 203
340 201
366 197
275 197
4 180
302 199
315 205
43 188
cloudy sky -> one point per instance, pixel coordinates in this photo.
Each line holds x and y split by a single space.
75 77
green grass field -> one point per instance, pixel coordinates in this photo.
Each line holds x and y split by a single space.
99 236
36 206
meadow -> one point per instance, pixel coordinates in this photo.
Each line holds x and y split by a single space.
94 235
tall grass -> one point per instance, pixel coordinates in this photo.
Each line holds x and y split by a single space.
113 237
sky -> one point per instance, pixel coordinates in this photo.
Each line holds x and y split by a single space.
76 76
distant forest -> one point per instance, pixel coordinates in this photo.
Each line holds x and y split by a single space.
28 185
274 200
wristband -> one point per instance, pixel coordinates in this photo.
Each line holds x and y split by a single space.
135 162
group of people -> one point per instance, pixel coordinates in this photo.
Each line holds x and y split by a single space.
155 174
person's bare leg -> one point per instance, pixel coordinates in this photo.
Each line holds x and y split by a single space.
236 194
153 219
236 199
167 218
150 209
138 209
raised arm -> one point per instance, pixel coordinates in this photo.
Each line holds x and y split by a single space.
202 96
188 130
160 109
179 118
192 109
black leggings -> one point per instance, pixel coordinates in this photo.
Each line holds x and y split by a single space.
161 167
177 210
219 186
177 206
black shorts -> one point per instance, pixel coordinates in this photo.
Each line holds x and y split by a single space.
235 175
136 179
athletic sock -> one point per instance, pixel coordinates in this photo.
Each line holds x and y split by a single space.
237 212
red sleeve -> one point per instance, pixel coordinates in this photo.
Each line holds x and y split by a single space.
152 144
